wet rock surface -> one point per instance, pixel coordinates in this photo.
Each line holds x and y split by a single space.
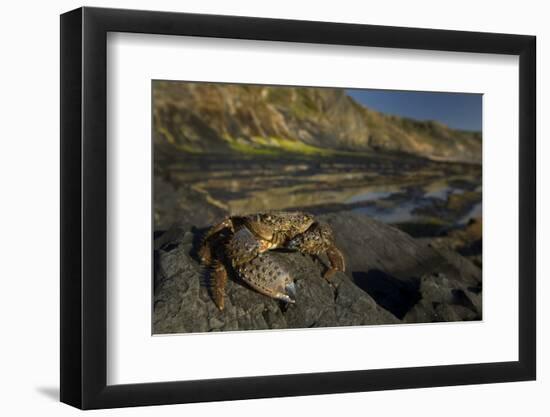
390 278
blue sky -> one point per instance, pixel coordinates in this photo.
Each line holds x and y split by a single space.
457 110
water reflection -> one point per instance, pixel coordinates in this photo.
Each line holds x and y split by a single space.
391 189
400 214
371 196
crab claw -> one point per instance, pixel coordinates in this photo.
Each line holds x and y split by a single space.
269 276
243 247
290 293
284 289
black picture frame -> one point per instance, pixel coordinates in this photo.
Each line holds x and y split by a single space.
84 207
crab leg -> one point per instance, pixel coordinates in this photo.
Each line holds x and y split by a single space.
219 277
205 251
316 240
337 262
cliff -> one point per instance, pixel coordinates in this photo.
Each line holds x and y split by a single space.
219 118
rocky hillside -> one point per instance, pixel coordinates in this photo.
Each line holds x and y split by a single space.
390 278
202 117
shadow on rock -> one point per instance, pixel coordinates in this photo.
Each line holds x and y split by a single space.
395 295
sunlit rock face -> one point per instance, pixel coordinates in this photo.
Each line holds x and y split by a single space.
217 118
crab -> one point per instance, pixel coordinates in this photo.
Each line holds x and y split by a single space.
241 242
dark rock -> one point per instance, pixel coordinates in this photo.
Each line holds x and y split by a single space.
173 203
466 240
390 278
